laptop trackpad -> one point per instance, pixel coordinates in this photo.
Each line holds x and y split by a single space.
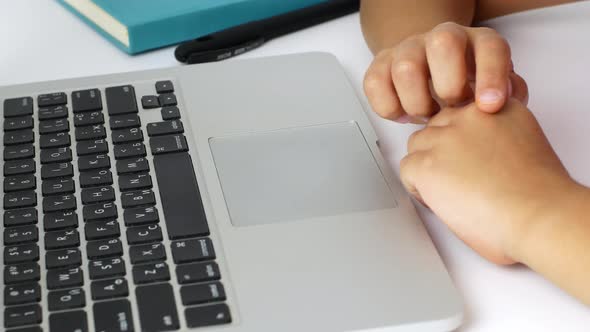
298 173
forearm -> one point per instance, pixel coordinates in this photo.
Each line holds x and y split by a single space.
557 245
387 22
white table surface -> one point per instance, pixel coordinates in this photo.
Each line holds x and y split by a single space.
39 40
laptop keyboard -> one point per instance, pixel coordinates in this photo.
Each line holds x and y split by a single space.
84 245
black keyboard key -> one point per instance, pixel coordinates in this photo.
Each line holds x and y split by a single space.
53 126
21 235
21 294
124 121
16 167
88 119
86 100
101 177
57 140
58 155
150 102
98 195
132 165
157 308
202 293
52 99
20 199
22 315
62 239
140 216
102 230
20 217
20 273
66 299
55 112
168 144
170 113
179 192
207 315
113 316
144 234
104 249
98 161
193 250
99 211
136 198
98 146
167 99
19 182
19 137
58 186
135 181
106 268
18 107
69 321
147 253
59 203
51 171
57 259
109 289
164 87
153 272
129 150
121 100
197 272
16 152
60 220
22 122
165 128
21 254
128 135
65 278
90 132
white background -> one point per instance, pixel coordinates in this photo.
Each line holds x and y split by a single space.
40 40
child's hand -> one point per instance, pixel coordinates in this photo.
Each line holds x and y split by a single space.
397 83
487 176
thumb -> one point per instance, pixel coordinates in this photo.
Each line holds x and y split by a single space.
410 169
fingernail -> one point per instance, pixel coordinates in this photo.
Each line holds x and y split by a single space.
490 96
403 119
509 88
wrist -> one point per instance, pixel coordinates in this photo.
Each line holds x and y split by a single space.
556 215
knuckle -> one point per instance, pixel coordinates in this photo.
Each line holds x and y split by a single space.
443 39
406 69
494 42
484 30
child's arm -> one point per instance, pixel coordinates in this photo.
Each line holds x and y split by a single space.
385 23
498 184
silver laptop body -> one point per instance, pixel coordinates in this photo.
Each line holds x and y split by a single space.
311 231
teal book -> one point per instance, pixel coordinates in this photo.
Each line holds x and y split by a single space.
140 25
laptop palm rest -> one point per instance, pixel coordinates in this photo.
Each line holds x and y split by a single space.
298 173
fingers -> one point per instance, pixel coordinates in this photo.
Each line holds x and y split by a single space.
380 90
425 139
411 168
410 74
493 64
446 47
519 88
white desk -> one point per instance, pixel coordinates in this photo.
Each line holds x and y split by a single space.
39 40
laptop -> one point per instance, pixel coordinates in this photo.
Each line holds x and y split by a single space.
245 196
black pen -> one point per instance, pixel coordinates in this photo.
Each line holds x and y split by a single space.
245 37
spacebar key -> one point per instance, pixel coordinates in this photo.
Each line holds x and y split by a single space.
179 192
